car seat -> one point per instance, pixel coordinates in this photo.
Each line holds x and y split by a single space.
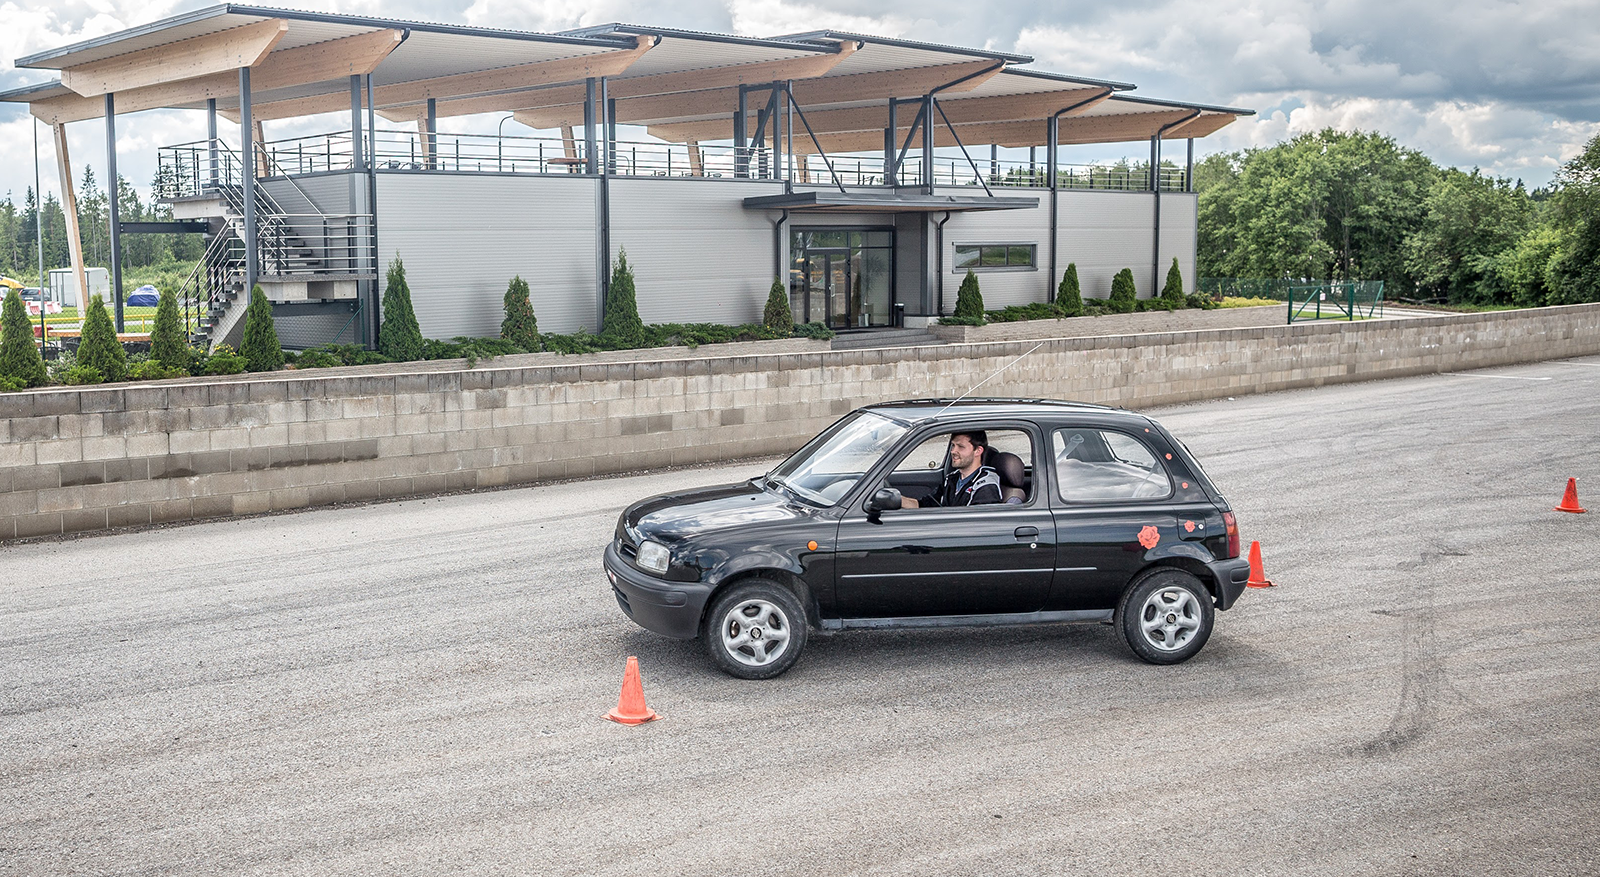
1013 475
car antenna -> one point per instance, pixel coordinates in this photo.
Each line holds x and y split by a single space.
991 377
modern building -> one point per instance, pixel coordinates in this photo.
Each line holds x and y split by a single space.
867 174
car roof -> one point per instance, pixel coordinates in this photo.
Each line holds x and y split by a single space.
923 410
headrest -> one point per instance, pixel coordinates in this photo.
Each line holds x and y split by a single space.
1008 466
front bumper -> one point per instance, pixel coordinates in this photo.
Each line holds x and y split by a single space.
668 608
1230 576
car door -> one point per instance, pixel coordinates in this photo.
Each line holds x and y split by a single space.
974 560
1112 498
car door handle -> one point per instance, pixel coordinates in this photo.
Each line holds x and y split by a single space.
1027 532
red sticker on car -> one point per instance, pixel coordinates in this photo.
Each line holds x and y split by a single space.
1149 536
1188 526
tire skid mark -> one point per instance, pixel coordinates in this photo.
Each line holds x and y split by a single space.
1422 676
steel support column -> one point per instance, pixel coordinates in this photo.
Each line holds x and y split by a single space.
891 146
375 317
211 138
927 144
741 135
1155 231
111 188
1188 168
591 165
1052 153
433 134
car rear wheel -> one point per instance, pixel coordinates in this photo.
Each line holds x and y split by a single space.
755 630
1166 616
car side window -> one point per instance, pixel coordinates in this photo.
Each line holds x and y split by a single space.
1095 465
1015 474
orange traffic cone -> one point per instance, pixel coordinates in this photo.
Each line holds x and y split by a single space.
1258 576
630 704
1569 502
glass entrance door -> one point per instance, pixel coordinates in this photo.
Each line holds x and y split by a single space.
842 279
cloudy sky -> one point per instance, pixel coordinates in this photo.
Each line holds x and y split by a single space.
1508 87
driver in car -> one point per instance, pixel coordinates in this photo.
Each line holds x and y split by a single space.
969 482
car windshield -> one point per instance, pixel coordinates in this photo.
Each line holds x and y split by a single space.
824 470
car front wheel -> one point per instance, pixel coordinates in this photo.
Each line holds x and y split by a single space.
1166 616
755 630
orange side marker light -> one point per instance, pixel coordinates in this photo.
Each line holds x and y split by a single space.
812 545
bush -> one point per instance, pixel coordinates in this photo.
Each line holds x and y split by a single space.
622 324
1019 313
1202 302
167 344
969 304
79 375
224 361
260 348
1069 296
1124 295
10 385
317 359
99 348
520 326
153 370
19 356
399 335
817 331
470 349
777 315
1172 293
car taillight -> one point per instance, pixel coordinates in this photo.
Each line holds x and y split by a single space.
1231 524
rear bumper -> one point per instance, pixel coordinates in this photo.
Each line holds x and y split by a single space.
668 608
1230 576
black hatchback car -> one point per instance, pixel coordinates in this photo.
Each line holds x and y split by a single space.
1088 514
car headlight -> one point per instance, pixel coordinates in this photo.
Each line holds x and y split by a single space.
654 557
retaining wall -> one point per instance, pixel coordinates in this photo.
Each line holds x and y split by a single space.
78 459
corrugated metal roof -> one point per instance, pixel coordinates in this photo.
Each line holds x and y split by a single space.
934 48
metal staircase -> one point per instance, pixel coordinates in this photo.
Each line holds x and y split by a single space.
300 257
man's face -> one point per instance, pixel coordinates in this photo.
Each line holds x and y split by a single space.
963 455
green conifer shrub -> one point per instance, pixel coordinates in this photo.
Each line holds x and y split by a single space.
167 344
520 326
260 347
399 335
1172 293
1069 295
622 325
19 356
969 303
777 315
99 348
1124 295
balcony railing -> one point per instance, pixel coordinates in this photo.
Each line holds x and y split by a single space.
189 169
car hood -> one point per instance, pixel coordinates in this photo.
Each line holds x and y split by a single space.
673 517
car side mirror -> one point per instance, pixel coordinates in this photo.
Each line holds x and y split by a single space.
886 499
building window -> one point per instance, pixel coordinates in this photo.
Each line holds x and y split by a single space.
996 257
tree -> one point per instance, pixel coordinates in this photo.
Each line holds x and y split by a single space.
1468 220
399 335
969 302
1124 294
520 326
99 348
260 348
622 324
19 356
1575 277
777 316
167 344
1069 295
1172 293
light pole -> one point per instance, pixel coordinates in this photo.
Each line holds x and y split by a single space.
500 144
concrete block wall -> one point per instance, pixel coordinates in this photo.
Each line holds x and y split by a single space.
82 459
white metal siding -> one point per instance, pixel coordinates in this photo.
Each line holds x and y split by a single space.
1105 232
1022 226
698 255
463 237
1179 228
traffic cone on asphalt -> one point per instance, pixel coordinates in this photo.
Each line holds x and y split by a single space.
1569 502
1258 576
630 708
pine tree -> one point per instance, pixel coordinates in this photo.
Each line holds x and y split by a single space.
1124 294
99 348
1069 295
399 336
969 302
260 347
1172 293
167 344
520 326
622 324
777 316
19 356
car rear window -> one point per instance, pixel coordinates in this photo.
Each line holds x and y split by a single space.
1103 465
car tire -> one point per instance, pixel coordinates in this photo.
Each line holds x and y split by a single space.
755 629
1166 616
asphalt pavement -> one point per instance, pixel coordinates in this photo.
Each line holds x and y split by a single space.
416 687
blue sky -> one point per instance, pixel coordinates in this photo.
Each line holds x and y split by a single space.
1507 87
